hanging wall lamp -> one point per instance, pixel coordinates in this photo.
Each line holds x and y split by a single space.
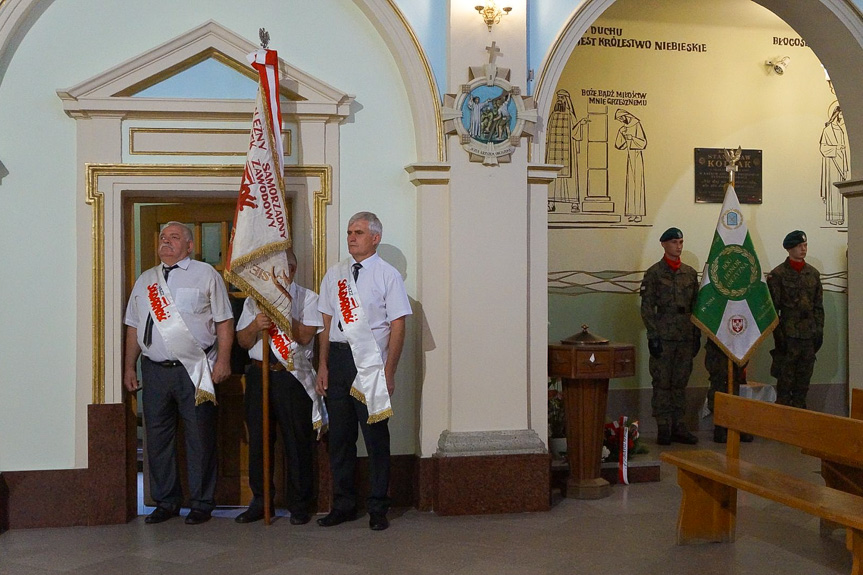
491 14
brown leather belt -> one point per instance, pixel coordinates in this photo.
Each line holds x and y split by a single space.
273 366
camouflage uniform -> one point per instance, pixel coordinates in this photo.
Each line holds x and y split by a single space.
798 299
667 300
716 364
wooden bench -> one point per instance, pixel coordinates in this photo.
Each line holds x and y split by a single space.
838 473
710 480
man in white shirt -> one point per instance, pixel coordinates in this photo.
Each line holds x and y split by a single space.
375 348
290 403
194 341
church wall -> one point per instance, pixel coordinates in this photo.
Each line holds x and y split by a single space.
721 97
73 41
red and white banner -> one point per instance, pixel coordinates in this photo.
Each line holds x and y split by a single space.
256 261
623 451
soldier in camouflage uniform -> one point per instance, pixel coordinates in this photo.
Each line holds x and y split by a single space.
716 364
668 294
795 287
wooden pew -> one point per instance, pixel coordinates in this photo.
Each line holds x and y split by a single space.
710 480
840 474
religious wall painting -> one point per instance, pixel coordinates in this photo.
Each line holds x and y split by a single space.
835 165
631 139
564 135
602 154
489 114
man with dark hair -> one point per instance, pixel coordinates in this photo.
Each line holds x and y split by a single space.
180 316
364 304
293 402
795 287
668 293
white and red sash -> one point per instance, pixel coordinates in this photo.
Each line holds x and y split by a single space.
177 337
286 349
370 385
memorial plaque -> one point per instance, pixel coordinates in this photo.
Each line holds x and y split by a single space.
711 176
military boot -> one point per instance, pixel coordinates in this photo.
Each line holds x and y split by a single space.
663 436
680 434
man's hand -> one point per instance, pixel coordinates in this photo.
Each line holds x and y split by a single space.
654 346
322 383
130 380
779 341
262 321
819 341
222 369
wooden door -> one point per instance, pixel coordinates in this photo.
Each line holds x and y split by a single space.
211 220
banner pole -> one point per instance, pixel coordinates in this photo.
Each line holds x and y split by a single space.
730 376
265 406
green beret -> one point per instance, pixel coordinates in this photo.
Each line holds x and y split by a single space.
671 234
795 238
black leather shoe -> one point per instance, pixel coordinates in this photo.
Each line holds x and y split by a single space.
250 515
720 434
378 521
196 517
746 437
300 518
663 436
160 515
680 434
337 517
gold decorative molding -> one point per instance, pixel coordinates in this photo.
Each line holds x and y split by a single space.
95 198
134 131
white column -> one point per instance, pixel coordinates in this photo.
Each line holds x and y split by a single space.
493 262
853 192
433 295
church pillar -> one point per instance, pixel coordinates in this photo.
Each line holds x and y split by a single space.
484 298
853 192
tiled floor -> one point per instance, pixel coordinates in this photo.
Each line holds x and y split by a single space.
631 532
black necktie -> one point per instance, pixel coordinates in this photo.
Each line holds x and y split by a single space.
148 328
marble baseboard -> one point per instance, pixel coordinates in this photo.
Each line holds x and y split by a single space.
97 495
4 505
475 485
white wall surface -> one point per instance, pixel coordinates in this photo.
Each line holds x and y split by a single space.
72 41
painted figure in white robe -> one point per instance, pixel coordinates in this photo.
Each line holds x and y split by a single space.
562 146
834 166
475 116
630 137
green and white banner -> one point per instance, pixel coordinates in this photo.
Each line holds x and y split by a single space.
734 307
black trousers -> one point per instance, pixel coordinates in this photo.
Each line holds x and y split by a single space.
168 394
291 409
345 413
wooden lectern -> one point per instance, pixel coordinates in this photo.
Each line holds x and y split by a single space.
585 369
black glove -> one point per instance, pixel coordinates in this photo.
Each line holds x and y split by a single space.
696 344
819 341
654 345
779 342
